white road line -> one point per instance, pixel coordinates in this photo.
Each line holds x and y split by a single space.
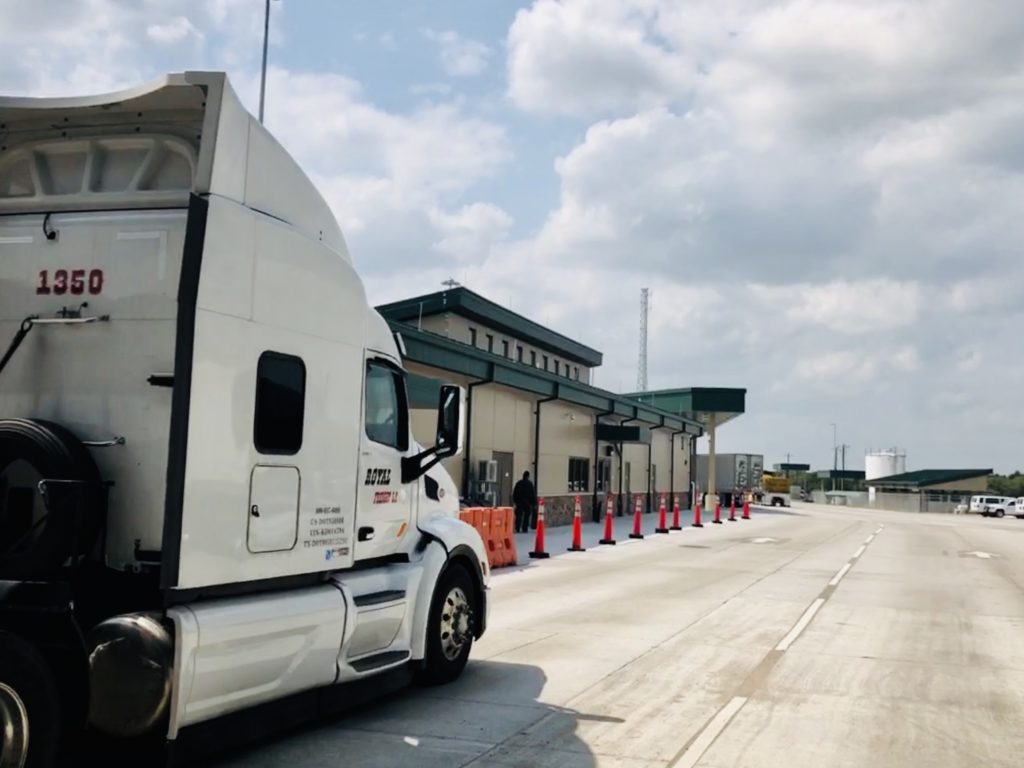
842 572
801 625
869 539
860 551
711 731
880 529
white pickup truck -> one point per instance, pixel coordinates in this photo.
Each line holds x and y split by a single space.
214 519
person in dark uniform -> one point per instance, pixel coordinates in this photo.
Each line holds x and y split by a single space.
524 498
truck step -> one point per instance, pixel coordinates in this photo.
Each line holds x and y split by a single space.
379 660
378 598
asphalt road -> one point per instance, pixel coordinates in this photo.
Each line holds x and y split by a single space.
807 638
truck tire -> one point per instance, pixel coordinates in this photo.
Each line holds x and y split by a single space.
29 703
449 627
54 454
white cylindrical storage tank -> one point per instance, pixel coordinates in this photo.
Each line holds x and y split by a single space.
883 464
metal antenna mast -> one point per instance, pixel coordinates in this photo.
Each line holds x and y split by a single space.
641 369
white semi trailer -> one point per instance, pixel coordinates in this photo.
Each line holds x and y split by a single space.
214 519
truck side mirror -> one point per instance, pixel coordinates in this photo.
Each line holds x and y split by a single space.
449 421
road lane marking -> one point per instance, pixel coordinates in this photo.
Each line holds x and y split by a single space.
860 551
707 736
842 572
869 539
801 625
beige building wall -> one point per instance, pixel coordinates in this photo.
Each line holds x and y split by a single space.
502 421
457 328
566 431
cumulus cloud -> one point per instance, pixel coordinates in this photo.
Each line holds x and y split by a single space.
460 56
470 233
174 31
590 57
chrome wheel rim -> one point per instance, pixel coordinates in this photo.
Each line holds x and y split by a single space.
456 622
13 729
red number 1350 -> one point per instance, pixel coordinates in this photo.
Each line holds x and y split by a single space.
73 281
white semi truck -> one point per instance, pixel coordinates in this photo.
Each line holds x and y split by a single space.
214 520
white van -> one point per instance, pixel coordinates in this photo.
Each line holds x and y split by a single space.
985 505
213 514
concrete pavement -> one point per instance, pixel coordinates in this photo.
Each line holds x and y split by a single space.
817 636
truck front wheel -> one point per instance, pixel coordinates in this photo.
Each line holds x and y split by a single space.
450 627
29 709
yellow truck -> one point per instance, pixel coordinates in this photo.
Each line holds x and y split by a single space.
775 490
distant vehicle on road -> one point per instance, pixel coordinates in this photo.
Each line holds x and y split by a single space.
980 504
1004 508
774 490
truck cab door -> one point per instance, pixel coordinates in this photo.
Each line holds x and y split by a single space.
385 504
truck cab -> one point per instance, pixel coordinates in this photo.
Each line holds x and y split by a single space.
211 501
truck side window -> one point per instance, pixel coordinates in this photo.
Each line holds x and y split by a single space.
280 403
386 408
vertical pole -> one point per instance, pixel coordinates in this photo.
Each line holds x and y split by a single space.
835 456
263 72
712 488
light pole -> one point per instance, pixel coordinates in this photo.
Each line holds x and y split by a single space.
835 455
263 71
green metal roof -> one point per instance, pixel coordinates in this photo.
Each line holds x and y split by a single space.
924 478
436 351
473 306
697 403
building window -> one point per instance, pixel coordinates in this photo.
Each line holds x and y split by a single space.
386 412
567 371
472 337
280 403
504 349
519 352
490 342
557 366
533 358
579 474
576 372
545 362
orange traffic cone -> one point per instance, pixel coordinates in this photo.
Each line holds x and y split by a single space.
718 514
662 523
636 520
609 513
538 546
696 516
732 509
675 515
746 510
577 527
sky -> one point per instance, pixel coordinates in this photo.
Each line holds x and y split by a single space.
825 198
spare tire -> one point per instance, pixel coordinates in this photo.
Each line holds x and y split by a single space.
32 547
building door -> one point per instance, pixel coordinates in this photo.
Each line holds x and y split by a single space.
505 479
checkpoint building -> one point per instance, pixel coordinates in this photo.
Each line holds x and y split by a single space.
531 406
